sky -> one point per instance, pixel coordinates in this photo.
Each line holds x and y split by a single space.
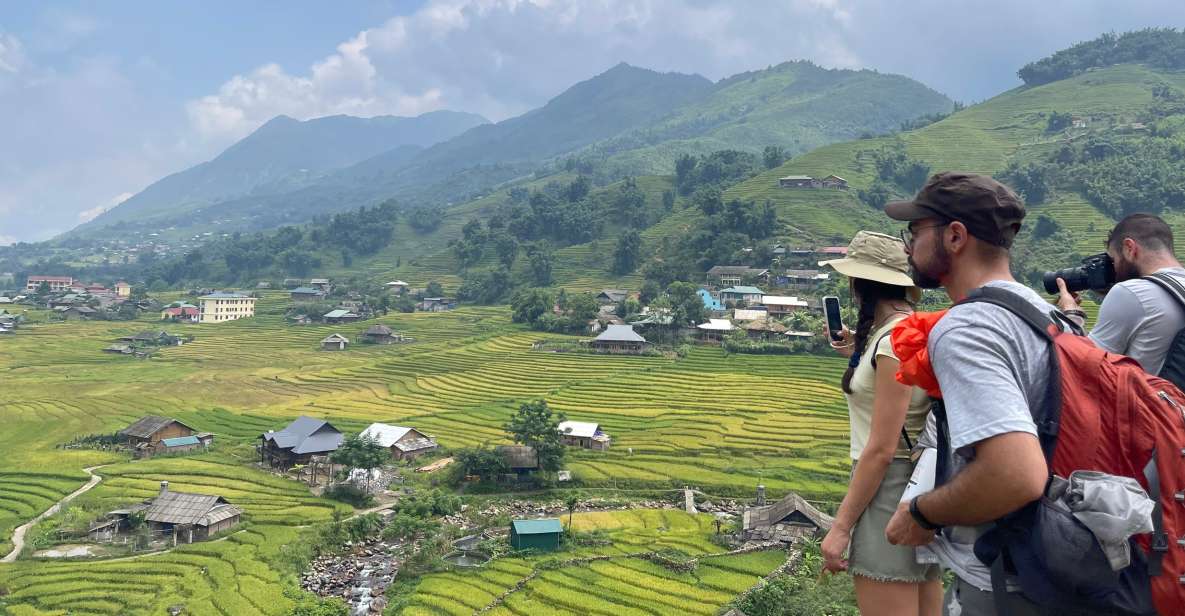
100 99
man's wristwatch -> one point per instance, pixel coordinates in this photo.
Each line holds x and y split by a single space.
919 518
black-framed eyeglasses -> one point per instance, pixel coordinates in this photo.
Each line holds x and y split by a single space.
908 234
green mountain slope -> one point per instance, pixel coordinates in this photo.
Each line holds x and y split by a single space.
285 153
983 138
795 105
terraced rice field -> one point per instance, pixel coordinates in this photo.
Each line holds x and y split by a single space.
619 585
720 423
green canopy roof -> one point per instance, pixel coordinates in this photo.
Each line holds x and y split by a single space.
537 527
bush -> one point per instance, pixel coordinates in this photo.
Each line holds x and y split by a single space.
349 494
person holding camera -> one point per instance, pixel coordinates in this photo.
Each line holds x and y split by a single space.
1138 317
883 414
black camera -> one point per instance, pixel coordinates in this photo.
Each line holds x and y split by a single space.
1096 273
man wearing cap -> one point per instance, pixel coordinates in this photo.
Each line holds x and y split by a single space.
989 364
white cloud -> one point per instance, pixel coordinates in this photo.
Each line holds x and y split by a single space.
6 240
503 57
11 55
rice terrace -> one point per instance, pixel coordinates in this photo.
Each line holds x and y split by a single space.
675 422
488 307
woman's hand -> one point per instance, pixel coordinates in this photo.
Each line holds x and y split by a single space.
847 343
834 545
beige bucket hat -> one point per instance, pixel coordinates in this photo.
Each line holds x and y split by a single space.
877 257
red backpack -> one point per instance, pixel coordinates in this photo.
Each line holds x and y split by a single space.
1103 413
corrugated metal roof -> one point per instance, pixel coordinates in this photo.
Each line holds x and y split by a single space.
743 290
537 527
415 444
181 507
337 314
180 441
385 434
378 330
620 333
306 435
226 295
146 426
583 429
722 325
782 300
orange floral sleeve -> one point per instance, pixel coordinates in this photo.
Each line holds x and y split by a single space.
909 345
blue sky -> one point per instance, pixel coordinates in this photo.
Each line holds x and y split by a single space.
100 99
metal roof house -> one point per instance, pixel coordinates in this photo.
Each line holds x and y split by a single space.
299 441
403 442
340 315
334 342
536 534
189 517
612 296
145 435
778 305
786 520
749 295
381 334
587 435
619 339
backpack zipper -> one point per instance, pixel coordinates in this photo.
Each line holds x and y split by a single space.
1172 403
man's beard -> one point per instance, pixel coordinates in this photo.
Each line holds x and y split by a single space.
928 278
1125 270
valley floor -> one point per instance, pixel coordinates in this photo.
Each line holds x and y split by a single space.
720 423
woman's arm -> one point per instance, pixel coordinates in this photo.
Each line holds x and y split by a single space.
890 404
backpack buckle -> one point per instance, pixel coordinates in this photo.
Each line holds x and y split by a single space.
1160 542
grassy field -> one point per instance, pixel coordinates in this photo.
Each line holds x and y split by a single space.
623 584
721 423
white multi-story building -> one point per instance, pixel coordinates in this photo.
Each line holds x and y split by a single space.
221 306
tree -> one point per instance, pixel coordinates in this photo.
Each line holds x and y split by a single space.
627 253
571 501
482 461
535 426
434 289
530 304
540 265
298 262
360 452
583 307
668 200
687 307
507 248
773 156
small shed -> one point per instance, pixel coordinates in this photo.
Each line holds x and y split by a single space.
786 520
714 329
520 459
306 294
334 342
536 534
834 181
381 334
798 181
612 296
179 444
190 517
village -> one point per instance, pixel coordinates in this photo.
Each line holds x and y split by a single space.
382 470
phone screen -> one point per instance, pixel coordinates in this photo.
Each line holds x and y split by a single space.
834 321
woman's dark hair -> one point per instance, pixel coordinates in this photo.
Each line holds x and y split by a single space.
870 293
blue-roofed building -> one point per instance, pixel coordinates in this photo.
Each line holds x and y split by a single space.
179 444
749 295
536 534
298 442
710 303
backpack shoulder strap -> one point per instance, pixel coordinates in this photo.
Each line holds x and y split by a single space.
1170 284
1046 414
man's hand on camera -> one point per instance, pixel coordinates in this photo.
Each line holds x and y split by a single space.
1065 299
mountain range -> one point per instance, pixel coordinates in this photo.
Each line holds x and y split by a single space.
630 120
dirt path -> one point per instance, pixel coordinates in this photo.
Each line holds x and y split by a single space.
18 535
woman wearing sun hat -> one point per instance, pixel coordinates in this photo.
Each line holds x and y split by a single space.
885 418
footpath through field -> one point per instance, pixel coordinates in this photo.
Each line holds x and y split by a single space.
18 535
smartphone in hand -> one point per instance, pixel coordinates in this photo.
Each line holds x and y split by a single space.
834 321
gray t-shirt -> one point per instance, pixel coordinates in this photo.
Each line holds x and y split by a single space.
990 365
1139 319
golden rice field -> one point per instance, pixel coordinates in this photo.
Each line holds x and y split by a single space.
719 423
